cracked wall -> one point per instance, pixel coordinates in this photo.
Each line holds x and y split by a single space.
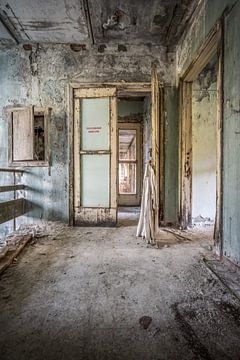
204 146
40 76
210 12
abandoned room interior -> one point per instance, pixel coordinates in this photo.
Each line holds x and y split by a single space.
119 179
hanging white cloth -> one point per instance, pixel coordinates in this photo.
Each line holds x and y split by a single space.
146 224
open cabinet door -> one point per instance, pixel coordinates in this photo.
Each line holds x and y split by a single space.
157 143
95 119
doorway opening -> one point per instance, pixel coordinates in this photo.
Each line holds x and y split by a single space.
201 141
98 113
134 143
204 145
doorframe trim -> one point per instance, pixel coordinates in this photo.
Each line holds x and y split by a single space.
212 45
123 89
139 174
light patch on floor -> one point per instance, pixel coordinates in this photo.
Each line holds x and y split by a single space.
81 294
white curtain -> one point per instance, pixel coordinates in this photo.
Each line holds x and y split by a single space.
146 224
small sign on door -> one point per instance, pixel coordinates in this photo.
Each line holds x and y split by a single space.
94 129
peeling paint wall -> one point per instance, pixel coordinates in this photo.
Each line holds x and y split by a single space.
40 77
130 110
209 12
231 143
204 147
187 50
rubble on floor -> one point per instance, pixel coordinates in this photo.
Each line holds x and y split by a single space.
227 273
170 236
90 293
200 222
12 244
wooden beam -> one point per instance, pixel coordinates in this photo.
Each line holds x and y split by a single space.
11 209
219 173
12 170
9 30
11 255
11 188
186 155
94 93
71 119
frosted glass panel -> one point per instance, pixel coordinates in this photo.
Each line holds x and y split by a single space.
95 124
95 180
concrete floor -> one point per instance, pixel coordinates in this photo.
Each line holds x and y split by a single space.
80 295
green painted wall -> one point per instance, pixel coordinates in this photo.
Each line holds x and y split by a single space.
231 129
210 13
40 77
204 149
132 109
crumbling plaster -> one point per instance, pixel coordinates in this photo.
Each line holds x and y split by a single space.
204 148
205 17
40 77
210 12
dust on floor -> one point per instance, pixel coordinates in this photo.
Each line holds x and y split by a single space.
99 293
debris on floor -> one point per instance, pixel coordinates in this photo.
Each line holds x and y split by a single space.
170 236
148 304
3 248
12 244
201 222
145 321
13 248
227 274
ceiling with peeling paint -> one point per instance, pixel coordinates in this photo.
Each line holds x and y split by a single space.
154 22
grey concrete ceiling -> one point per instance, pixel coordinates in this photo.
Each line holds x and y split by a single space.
156 22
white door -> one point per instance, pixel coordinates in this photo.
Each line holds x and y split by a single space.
95 157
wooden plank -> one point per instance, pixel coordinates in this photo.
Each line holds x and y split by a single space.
22 134
12 170
76 154
113 157
71 153
161 146
186 155
122 89
11 188
94 93
12 209
155 136
11 255
219 172
180 147
47 147
119 85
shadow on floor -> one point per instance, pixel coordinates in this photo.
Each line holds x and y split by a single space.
128 216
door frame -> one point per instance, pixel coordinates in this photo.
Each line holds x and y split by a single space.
138 127
213 45
134 89
93 215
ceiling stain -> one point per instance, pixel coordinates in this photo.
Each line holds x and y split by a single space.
131 22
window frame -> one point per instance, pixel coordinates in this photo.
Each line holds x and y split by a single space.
37 111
